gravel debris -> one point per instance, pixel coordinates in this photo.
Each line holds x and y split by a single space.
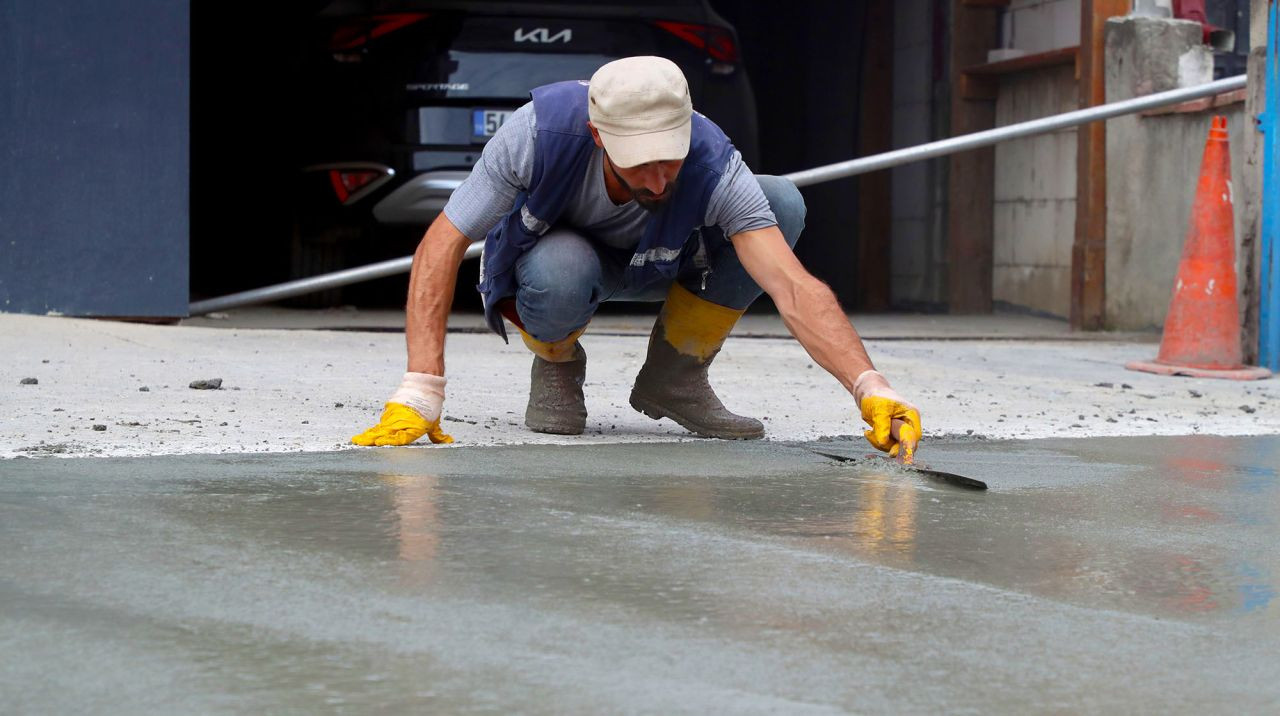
210 384
28 381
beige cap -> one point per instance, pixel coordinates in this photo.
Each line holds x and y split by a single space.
641 107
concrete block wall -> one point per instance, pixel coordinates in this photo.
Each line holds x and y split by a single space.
1035 195
1043 25
918 250
1035 178
1149 209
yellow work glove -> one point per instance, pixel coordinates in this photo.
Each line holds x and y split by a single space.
412 411
401 425
881 406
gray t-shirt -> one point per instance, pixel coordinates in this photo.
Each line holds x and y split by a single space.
506 166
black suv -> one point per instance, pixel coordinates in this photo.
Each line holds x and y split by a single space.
398 98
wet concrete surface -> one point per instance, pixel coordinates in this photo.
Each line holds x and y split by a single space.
1134 574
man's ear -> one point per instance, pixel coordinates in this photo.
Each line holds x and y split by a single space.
595 134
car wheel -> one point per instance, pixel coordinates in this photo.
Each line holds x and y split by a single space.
316 254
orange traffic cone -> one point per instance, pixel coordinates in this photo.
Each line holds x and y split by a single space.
1202 330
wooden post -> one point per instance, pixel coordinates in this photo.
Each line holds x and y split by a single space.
1089 251
1269 123
1251 239
875 210
971 181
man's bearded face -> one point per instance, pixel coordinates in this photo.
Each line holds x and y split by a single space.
650 185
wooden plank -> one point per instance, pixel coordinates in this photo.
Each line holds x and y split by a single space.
1251 204
1052 58
1089 251
971 181
1203 104
1254 160
875 201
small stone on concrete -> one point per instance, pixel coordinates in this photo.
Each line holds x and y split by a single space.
29 381
1248 409
1195 393
144 389
99 427
210 384
1104 385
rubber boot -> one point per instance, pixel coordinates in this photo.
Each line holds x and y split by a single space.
556 404
673 380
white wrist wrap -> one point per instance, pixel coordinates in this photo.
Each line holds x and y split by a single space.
860 384
423 392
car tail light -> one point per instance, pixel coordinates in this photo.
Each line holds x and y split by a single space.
356 33
717 42
348 182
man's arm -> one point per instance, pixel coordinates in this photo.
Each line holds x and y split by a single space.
808 307
431 282
810 311
504 170
414 408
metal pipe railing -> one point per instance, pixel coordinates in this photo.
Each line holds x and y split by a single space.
988 137
281 291
831 172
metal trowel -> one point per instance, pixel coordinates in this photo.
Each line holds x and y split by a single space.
949 478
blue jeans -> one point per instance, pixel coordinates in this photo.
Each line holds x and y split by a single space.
565 276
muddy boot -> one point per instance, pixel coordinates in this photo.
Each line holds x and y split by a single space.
556 404
673 380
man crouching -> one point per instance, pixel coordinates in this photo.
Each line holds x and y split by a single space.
617 190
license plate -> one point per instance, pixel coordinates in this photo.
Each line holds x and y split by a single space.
485 122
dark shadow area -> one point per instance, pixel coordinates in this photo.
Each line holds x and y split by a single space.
804 64
250 107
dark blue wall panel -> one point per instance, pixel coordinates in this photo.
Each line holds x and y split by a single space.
94 145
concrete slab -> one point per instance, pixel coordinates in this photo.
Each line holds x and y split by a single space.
306 390
1105 575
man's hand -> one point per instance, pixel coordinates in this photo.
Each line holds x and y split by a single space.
411 412
881 407
812 314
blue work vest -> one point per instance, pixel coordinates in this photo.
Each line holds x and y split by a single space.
562 150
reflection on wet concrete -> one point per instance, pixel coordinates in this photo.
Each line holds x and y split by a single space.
1078 544
1126 573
